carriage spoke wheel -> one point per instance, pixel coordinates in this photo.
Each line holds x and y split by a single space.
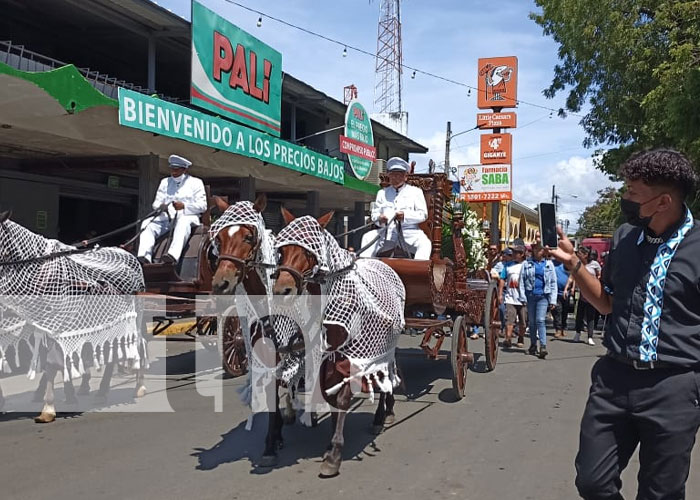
461 358
234 360
492 326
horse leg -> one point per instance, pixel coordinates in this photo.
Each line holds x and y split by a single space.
48 413
273 440
390 416
41 389
380 414
84 388
140 374
140 390
332 460
101 394
288 413
2 399
69 391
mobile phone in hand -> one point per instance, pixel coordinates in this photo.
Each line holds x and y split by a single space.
548 225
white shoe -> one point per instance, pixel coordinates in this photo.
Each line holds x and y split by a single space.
577 337
590 341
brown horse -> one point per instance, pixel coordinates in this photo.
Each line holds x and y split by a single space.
245 258
303 265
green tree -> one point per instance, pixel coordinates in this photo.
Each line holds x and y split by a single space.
603 216
635 66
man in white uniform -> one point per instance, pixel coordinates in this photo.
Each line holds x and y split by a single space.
186 200
407 204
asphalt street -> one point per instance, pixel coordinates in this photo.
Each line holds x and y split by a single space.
514 437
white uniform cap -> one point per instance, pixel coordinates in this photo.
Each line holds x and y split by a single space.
396 163
176 161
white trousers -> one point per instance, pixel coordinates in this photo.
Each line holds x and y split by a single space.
416 242
158 226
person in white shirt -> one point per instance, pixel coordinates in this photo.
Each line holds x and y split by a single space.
406 204
186 201
511 292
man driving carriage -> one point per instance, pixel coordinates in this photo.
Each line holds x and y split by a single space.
186 200
398 210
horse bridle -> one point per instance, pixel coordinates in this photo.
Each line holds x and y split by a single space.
311 275
248 263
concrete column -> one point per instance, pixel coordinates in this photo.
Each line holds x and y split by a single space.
151 64
246 191
313 203
149 178
293 124
357 220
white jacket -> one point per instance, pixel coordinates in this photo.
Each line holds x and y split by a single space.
408 199
190 192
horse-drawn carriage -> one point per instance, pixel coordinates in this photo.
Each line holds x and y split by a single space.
443 297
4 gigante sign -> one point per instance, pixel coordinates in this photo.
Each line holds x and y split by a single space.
233 73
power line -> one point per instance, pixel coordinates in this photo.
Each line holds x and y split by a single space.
347 46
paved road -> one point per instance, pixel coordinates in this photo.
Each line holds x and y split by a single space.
514 437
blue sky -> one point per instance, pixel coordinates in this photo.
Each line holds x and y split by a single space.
444 37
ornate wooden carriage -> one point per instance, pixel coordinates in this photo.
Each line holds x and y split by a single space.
443 297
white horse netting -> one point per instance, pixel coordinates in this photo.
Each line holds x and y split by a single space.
366 299
250 310
78 300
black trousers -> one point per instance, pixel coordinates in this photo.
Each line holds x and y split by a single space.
560 313
658 410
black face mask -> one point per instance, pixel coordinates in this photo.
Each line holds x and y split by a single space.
630 210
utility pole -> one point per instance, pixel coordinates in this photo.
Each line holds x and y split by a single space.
447 147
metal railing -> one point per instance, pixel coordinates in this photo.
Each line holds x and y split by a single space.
23 59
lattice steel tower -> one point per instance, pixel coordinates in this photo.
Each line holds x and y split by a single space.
388 70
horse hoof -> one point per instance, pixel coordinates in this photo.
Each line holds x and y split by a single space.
390 419
140 392
45 418
329 469
268 461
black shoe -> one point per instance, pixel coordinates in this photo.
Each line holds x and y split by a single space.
532 350
168 259
543 353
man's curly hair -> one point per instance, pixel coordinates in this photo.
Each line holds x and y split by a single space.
661 167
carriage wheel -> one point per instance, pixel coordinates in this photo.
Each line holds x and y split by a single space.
234 360
460 358
492 326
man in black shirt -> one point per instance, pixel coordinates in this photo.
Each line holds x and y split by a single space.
646 390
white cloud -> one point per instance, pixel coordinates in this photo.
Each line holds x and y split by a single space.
577 183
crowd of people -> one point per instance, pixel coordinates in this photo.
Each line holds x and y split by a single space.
531 286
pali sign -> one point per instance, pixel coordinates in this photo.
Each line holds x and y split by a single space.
498 82
165 118
480 183
358 141
496 148
233 73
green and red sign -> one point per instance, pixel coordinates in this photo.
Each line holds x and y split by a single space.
234 74
358 141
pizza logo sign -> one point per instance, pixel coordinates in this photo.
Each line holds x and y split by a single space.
498 82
